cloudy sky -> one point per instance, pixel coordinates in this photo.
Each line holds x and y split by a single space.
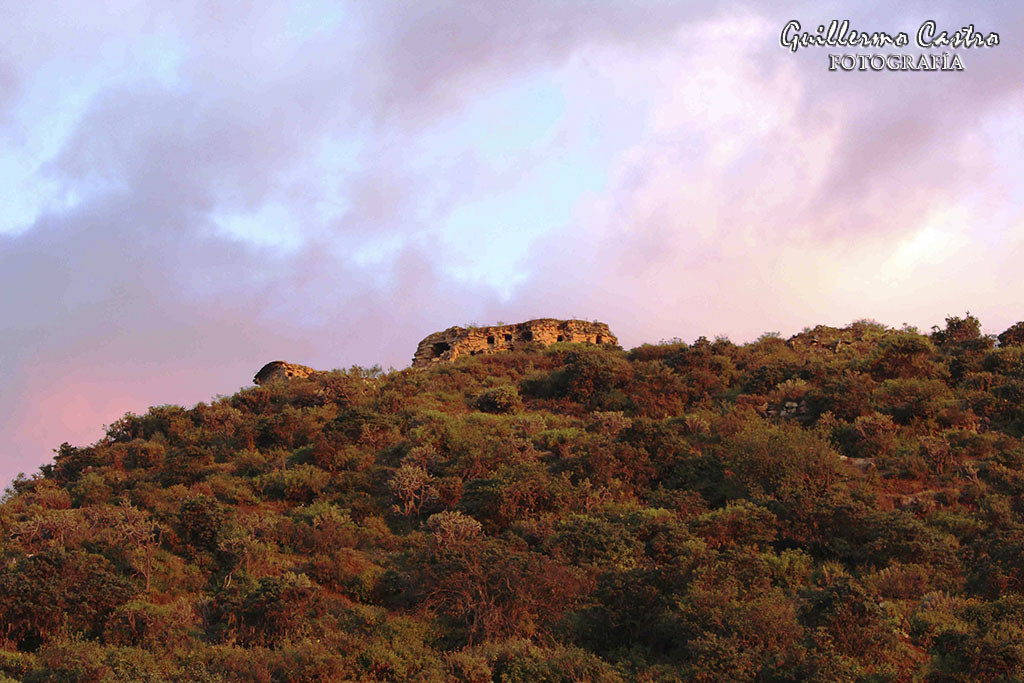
191 189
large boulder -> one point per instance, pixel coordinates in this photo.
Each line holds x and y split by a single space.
279 370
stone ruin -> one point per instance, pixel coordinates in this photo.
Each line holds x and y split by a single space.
446 346
454 342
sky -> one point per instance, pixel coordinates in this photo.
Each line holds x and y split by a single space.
189 190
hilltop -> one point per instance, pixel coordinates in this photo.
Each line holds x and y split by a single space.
842 505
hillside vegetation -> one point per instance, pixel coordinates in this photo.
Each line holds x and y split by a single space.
845 505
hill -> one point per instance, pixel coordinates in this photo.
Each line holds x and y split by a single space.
843 505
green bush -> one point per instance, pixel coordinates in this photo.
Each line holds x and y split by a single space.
502 399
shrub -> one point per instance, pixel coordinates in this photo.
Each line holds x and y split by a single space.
201 519
503 399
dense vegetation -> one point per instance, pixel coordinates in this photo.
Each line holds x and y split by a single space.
844 505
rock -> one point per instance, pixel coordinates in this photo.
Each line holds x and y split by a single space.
448 345
279 370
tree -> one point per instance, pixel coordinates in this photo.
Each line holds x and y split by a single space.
413 487
1013 335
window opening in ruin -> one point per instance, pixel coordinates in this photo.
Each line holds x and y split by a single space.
508 337
490 340
440 347
561 337
600 339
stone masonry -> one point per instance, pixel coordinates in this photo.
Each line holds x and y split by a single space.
454 342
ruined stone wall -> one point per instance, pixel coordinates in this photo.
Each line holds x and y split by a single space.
454 342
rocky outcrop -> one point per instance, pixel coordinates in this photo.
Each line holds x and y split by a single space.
454 342
278 370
